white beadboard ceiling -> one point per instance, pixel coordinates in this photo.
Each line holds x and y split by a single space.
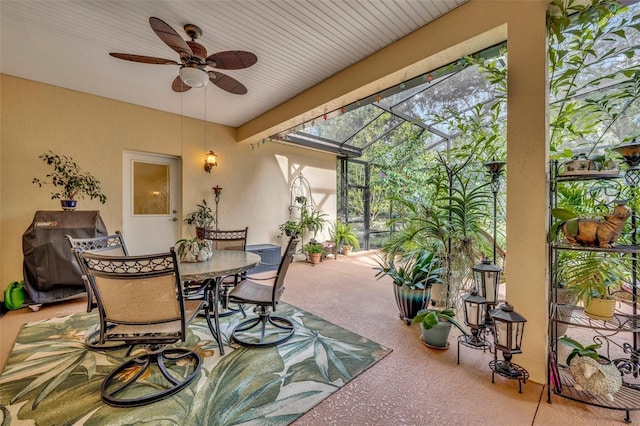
298 43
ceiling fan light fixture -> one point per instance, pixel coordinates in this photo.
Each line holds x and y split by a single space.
194 77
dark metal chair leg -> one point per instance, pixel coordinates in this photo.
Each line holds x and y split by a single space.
114 388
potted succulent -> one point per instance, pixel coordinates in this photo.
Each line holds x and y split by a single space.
202 217
314 251
413 273
70 182
436 325
345 237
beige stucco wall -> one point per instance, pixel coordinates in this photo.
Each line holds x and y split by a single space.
94 131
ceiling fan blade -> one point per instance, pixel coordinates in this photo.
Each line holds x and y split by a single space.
179 86
227 83
143 59
232 60
197 49
170 36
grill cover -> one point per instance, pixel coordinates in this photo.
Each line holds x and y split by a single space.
50 270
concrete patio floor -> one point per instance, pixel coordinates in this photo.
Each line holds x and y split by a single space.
415 384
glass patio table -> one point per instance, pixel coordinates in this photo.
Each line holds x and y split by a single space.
211 272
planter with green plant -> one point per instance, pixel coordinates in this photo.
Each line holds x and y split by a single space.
436 325
290 228
592 277
194 249
202 217
69 181
313 251
345 237
413 273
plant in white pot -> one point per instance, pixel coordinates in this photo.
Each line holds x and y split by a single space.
413 273
69 181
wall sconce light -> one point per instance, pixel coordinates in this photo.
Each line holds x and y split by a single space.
508 328
210 160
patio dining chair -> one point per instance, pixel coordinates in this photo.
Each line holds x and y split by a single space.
266 329
110 245
140 298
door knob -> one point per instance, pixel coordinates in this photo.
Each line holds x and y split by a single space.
175 219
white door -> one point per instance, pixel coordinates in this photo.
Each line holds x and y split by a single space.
151 202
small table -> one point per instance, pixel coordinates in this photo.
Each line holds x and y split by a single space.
221 264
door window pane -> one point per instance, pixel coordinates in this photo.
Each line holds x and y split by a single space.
150 188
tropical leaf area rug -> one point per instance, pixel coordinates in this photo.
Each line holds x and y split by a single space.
52 379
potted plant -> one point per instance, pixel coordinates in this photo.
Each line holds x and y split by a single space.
590 276
202 217
313 221
70 181
345 237
413 273
290 228
436 325
194 249
314 251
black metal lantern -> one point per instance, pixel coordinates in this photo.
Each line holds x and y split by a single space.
475 307
508 328
495 169
475 312
487 278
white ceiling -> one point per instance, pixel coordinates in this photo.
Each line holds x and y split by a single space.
299 43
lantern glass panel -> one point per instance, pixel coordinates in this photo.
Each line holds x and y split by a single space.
474 313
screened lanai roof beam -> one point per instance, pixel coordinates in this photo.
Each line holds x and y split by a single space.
322 144
418 123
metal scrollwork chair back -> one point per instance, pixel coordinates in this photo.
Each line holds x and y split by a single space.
140 299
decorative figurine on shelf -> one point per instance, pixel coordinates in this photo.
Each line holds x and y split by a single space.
596 232
591 371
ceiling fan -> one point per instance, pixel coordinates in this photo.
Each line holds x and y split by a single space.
194 60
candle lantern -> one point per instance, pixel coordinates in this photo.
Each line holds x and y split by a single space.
475 308
487 279
508 328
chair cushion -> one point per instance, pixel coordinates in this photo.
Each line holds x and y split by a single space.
251 292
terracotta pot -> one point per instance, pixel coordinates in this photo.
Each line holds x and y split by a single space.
346 250
314 257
